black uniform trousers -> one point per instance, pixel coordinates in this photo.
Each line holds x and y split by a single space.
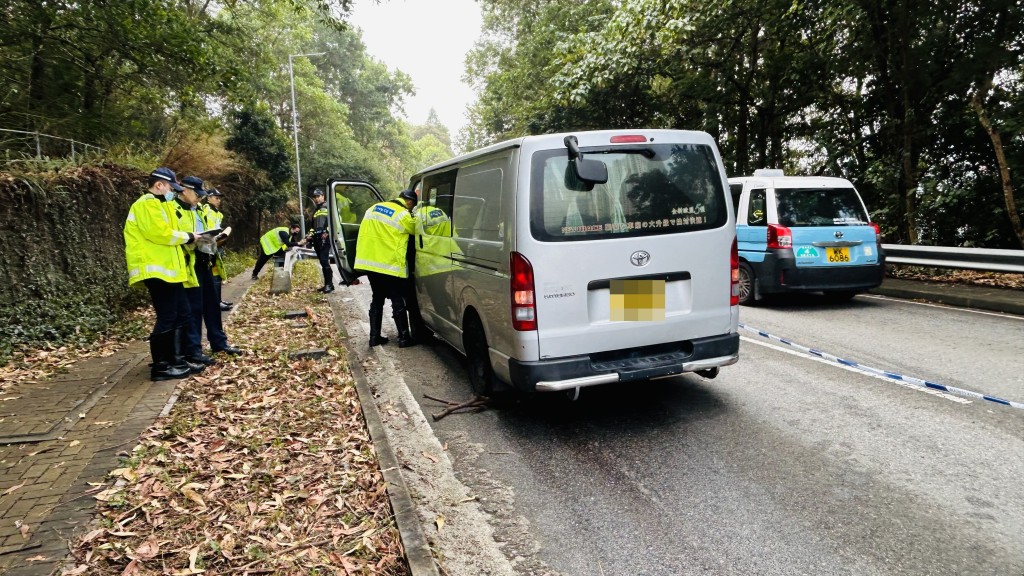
205 310
390 287
262 259
323 253
169 302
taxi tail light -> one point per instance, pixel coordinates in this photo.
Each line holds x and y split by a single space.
734 266
878 232
779 237
524 307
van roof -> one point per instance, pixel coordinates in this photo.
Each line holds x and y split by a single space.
585 137
795 181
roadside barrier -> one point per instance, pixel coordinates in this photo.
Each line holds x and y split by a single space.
884 373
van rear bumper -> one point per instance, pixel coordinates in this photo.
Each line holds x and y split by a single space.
625 365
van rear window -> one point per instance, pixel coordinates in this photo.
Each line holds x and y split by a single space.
820 207
651 189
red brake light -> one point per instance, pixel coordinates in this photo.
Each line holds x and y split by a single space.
878 232
779 237
628 139
734 284
524 308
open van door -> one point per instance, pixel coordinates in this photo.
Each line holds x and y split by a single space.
348 201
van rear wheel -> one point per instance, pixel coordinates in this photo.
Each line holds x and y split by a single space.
481 375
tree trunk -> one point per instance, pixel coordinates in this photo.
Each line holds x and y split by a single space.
1004 169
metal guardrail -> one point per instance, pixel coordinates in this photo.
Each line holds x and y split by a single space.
35 136
987 259
295 254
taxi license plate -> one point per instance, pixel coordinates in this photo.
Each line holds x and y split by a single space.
837 254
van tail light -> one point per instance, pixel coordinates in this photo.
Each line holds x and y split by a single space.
628 139
524 307
734 266
878 232
779 237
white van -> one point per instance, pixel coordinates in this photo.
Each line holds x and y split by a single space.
563 261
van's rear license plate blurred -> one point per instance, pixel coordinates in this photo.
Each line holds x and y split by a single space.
837 254
637 300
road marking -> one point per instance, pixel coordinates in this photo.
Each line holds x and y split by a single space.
946 306
939 393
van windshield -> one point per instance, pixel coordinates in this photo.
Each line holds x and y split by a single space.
820 207
656 189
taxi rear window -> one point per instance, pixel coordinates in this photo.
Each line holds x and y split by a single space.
819 207
652 189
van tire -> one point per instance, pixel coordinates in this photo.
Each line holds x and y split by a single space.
474 341
747 285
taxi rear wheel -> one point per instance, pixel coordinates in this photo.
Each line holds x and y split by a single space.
746 285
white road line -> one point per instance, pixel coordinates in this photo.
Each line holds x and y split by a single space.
946 306
931 391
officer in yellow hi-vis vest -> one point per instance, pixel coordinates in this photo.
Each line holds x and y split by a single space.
278 240
154 255
214 220
381 252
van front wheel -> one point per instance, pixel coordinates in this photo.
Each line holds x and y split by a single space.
481 375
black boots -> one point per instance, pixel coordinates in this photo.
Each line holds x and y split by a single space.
375 338
161 346
405 339
326 289
196 364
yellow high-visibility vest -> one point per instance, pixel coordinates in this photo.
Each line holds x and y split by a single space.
153 243
384 238
271 241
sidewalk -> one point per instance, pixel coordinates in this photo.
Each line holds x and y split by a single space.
59 436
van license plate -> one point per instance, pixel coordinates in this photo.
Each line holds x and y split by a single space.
838 254
637 300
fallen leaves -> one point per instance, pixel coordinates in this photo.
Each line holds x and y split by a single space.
263 466
13 489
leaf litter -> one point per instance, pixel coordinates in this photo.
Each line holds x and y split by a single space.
264 465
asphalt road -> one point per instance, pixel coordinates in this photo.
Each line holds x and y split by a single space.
782 465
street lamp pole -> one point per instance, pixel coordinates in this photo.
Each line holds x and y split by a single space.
295 132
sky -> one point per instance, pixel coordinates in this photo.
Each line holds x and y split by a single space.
428 40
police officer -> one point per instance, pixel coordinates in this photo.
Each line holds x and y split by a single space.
276 241
381 252
204 301
186 213
320 236
155 258
214 220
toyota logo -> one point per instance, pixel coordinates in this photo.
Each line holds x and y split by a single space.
640 258
839 234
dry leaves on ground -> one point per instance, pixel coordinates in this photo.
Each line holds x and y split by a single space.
969 277
263 466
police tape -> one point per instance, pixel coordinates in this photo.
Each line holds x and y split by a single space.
885 373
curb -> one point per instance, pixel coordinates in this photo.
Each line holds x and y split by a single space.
414 541
981 298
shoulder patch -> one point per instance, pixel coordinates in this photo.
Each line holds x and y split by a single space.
389 212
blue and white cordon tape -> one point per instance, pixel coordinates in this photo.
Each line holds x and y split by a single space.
885 373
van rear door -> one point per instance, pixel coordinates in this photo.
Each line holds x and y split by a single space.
640 260
348 201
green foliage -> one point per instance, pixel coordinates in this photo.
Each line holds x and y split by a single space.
885 94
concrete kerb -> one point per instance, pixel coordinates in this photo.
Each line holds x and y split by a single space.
414 540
